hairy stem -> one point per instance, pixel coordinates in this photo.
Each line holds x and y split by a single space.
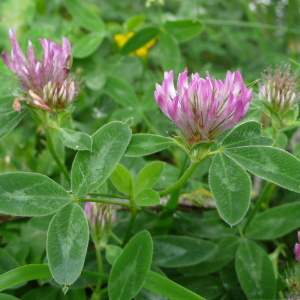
129 229
268 188
104 201
55 155
182 180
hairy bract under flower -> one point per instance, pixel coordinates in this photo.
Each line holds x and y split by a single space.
46 84
203 109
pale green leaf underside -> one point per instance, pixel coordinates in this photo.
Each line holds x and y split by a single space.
230 186
177 251
246 134
131 268
255 271
75 139
146 144
30 194
91 169
67 242
122 180
147 197
9 120
272 164
275 222
149 175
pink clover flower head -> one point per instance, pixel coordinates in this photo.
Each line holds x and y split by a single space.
45 83
279 88
297 249
203 108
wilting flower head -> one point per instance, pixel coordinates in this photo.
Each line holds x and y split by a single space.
279 88
297 249
46 84
203 109
101 217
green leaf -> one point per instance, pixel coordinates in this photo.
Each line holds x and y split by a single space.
255 271
87 45
275 165
231 187
112 252
67 241
75 139
95 79
123 114
131 268
246 134
147 197
149 175
91 169
275 222
140 39
164 286
121 92
31 272
84 16
173 251
30 194
122 180
224 254
146 144
7 297
9 120
7 262
135 22
209 287
184 30
169 52
23 274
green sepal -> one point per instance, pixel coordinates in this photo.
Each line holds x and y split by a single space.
199 151
276 119
290 116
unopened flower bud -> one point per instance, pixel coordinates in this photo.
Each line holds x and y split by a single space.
279 89
297 249
101 218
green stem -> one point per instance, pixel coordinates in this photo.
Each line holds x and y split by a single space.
275 136
104 201
100 269
108 196
129 229
240 231
141 89
181 181
54 154
116 238
268 188
164 286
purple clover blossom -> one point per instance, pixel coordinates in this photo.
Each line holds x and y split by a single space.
297 249
45 83
203 109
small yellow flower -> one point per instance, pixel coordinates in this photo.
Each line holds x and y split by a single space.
121 40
